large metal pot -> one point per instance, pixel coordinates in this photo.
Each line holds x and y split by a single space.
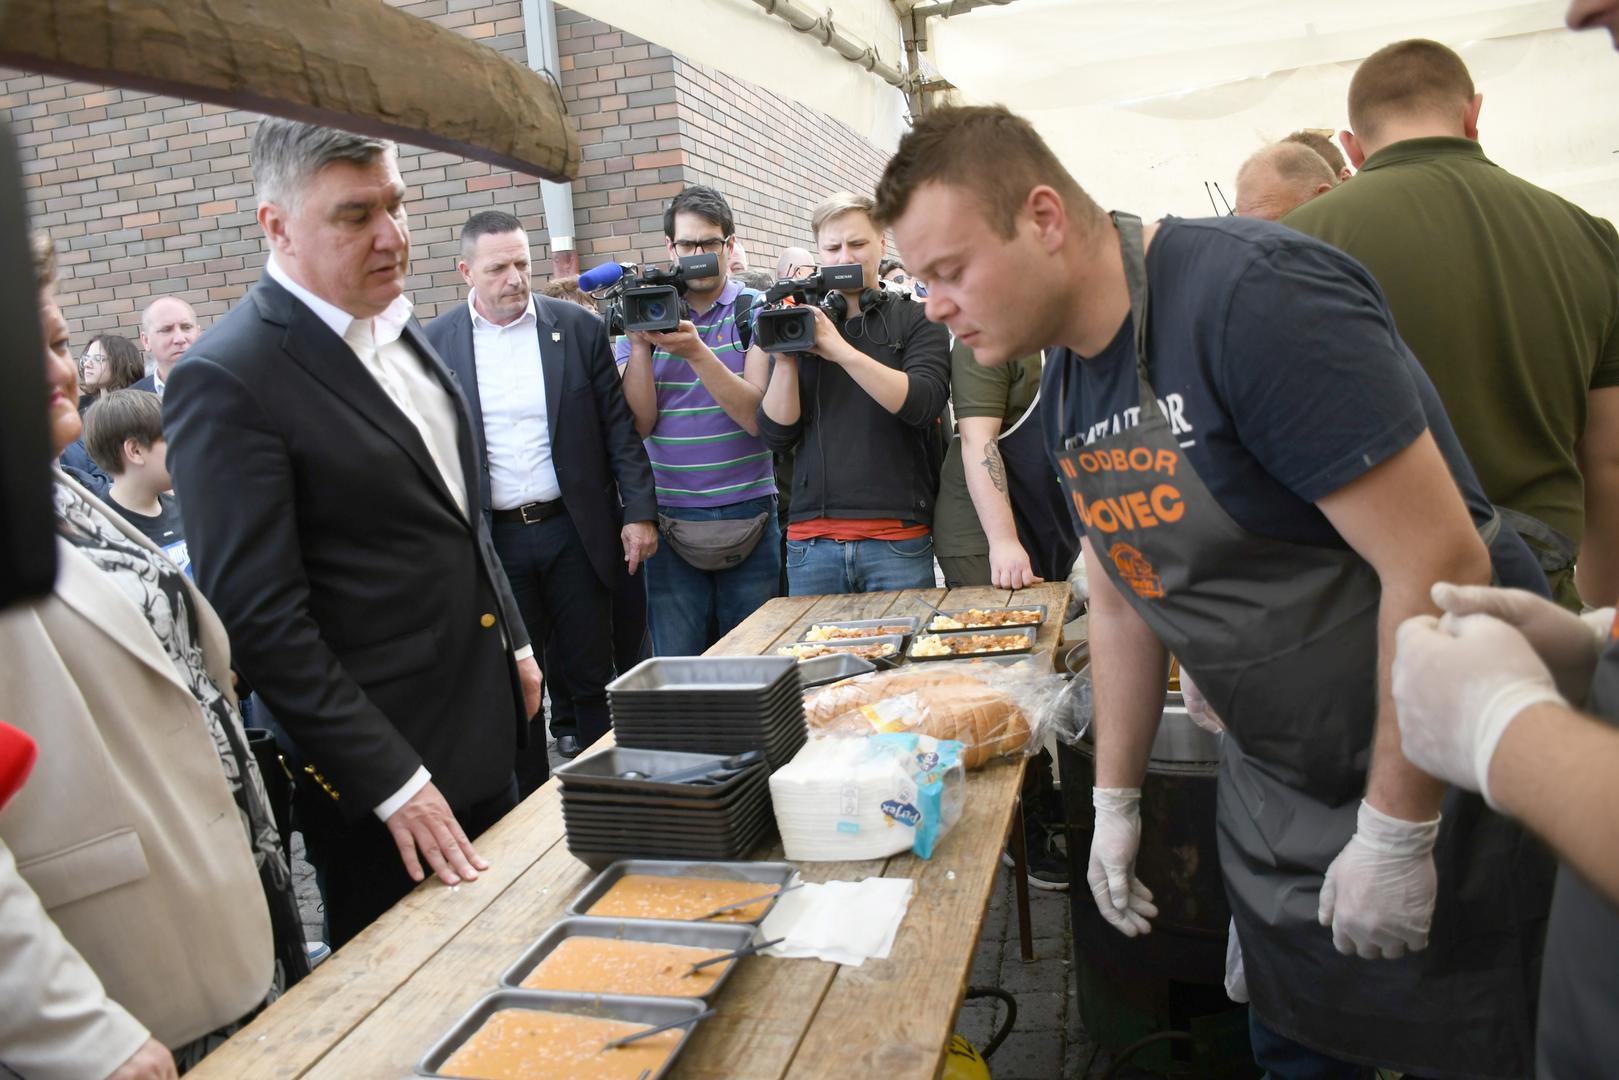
1179 739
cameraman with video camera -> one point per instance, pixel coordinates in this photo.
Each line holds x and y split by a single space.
862 409
694 391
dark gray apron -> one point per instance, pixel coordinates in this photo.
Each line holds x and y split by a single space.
1579 1005
1282 639
1038 506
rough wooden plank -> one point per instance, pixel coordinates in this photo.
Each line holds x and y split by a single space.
325 1008
892 1018
355 64
756 634
389 1042
839 607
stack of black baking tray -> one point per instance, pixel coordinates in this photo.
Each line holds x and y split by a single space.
711 705
624 803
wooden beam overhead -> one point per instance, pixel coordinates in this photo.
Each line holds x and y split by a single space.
354 64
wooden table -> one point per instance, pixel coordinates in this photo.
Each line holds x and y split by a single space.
376 1005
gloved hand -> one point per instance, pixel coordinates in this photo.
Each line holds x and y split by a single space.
1569 644
1378 894
1458 682
1197 706
1120 896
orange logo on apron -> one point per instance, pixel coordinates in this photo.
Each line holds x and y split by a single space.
1134 568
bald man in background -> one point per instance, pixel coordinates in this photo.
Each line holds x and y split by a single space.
168 328
1281 177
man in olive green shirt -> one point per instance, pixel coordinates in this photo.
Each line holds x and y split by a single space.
974 534
1506 293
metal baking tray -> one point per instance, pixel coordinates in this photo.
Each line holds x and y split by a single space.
821 670
1028 633
768 874
908 622
636 1010
608 768
1041 608
712 674
896 640
662 701
701 935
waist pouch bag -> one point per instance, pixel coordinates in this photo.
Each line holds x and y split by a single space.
713 545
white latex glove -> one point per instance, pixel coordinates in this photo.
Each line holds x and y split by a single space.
1077 581
1458 682
1120 897
1197 706
1569 644
1236 979
1378 894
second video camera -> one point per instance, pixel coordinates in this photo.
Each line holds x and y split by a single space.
784 323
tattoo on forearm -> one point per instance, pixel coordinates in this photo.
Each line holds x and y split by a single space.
995 466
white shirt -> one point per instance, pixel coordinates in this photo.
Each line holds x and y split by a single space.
516 425
404 377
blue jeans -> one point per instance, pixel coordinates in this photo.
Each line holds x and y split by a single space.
823 567
1284 1059
690 609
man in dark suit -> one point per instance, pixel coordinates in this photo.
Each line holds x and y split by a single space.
562 471
325 459
168 328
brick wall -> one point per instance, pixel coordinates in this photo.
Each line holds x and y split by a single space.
146 195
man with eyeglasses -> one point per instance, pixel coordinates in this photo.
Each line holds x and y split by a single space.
695 392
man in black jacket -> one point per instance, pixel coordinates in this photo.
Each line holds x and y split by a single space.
324 457
558 453
862 412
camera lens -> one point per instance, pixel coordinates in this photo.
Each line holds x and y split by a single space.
656 310
793 329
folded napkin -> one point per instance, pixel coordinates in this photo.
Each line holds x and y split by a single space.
844 922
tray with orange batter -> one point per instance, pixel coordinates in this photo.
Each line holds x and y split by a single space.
629 956
521 1034
667 889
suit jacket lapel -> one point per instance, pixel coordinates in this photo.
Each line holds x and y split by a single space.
327 357
553 350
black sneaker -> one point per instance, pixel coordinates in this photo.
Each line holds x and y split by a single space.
1048 863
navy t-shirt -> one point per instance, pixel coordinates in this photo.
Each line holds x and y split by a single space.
1276 360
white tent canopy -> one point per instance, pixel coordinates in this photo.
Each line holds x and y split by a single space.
1144 100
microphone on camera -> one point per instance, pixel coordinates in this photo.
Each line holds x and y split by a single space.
600 277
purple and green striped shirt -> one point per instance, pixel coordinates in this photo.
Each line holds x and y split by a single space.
700 457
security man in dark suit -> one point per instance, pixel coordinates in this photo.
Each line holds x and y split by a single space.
325 459
563 473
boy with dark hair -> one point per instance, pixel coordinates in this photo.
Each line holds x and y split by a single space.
124 434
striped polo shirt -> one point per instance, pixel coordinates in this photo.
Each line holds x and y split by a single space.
699 455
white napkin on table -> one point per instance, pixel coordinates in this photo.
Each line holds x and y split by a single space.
845 922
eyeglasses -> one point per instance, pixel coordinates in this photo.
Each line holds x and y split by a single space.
711 246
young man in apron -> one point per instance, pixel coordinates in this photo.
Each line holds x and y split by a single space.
1267 488
1488 700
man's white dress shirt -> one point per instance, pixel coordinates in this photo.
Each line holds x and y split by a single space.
516 425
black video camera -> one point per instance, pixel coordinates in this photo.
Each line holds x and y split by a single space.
650 299
784 323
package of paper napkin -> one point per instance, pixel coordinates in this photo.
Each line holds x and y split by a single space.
866 798
846 922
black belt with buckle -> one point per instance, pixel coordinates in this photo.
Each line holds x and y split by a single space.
530 513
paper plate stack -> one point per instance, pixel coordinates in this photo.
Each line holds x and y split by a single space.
838 800
711 705
624 803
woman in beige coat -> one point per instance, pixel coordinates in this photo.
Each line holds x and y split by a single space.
145 905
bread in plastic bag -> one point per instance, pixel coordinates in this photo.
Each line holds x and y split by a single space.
992 709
